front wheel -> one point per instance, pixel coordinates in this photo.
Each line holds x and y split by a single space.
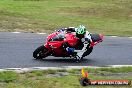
40 52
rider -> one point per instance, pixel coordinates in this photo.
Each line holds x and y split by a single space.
83 36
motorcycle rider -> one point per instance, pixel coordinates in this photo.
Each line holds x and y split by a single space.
84 39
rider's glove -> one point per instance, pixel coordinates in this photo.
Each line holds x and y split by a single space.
70 50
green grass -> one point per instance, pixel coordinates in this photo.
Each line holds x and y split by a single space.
39 79
105 69
8 76
109 17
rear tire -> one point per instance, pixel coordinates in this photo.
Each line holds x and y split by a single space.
39 53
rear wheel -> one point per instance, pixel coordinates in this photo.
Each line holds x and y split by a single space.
40 52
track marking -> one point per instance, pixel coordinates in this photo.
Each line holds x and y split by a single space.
41 33
15 32
120 66
130 37
22 70
36 33
114 36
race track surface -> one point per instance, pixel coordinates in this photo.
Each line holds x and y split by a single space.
16 52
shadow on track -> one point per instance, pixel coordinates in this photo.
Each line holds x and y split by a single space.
66 60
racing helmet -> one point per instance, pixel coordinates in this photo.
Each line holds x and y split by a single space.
80 31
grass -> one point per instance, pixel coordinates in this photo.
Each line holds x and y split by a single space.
8 76
105 69
109 17
39 79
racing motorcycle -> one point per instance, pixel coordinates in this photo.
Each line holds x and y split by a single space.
57 42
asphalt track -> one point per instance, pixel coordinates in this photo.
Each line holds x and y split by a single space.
16 52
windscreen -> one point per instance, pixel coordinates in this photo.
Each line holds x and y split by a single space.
59 37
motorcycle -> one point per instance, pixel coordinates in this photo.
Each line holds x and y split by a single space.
57 42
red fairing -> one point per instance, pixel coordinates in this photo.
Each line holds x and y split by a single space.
48 38
71 39
56 46
100 39
52 35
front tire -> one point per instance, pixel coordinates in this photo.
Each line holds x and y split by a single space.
39 53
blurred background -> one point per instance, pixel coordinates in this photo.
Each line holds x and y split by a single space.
109 17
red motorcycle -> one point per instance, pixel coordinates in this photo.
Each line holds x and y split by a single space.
57 42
